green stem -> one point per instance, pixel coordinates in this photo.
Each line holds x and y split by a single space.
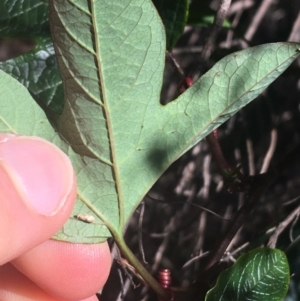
152 282
164 294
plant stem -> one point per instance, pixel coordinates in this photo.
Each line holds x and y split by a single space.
216 150
139 267
259 185
149 279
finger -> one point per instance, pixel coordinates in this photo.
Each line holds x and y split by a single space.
15 286
70 271
37 193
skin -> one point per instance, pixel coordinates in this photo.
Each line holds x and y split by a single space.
37 195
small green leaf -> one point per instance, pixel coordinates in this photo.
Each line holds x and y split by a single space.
174 14
37 70
23 18
260 275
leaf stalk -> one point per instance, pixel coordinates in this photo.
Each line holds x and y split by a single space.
149 279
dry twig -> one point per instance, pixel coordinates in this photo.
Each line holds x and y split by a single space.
273 239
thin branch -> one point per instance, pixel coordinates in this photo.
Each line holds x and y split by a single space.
201 231
250 157
189 262
175 64
210 43
239 6
264 7
204 192
187 49
292 228
295 241
122 284
163 246
124 289
259 185
270 152
234 23
161 249
218 22
140 232
190 204
232 253
282 226
295 33
222 164
291 201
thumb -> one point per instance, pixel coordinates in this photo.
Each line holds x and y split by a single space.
37 193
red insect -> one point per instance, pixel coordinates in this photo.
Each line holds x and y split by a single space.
165 280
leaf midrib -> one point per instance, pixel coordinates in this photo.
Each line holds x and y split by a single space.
115 168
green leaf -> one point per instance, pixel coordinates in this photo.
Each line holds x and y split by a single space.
23 18
37 70
174 14
112 64
20 115
260 275
112 116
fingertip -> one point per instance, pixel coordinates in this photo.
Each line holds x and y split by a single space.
37 195
69 271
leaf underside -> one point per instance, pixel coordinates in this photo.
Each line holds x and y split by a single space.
111 56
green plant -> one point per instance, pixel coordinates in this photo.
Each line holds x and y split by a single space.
112 126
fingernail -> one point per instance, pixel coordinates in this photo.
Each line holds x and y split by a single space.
42 174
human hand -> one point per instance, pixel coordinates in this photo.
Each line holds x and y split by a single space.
37 194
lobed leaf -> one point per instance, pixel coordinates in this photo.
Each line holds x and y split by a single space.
260 275
112 116
111 56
